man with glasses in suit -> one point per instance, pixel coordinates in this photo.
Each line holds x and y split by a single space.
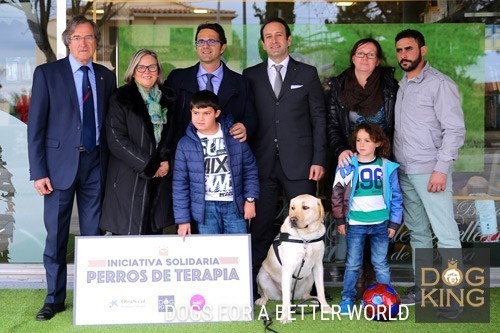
211 73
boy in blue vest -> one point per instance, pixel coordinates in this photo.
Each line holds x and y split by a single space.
215 176
367 204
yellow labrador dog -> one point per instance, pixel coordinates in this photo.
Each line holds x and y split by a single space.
300 239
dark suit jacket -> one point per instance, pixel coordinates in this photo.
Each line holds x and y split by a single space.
235 97
295 120
54 126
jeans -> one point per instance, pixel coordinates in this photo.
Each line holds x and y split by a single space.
379 244
222 217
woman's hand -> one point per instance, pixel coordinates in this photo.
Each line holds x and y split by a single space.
341 229
162 170
345 158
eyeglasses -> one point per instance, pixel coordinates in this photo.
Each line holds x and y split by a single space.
369 55
142 68
80 38
210 42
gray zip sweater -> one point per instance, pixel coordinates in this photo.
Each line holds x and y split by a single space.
429 123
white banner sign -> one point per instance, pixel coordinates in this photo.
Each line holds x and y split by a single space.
161 279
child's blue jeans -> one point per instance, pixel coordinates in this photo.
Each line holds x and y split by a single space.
356 235
222 217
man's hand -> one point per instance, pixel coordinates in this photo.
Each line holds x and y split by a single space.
238 131
43 186
437 182
184 229
316 172
345 158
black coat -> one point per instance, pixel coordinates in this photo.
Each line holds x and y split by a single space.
135 203
235 97
294 122
337 125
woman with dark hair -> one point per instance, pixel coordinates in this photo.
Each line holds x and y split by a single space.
365 92
138 197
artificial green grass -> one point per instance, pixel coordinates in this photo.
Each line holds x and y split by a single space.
19 307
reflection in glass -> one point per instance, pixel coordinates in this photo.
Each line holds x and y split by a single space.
7 193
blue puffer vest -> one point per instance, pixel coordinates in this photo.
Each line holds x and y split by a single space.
189 174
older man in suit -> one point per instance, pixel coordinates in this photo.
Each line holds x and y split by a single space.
212 74
290 143
67 148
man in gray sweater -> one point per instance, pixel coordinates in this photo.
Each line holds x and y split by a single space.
429 130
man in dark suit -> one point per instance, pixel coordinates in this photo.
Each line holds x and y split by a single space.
290 143
67 148
211 73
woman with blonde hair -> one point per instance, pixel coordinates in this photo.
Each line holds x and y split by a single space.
138 196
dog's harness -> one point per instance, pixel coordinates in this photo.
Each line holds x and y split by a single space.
286 237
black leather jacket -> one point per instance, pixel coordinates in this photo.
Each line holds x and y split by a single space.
337 125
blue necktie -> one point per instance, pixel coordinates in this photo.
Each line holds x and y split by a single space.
89 132
209 85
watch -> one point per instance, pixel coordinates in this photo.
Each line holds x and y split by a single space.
250 199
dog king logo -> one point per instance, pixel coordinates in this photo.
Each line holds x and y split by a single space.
452 285
452 276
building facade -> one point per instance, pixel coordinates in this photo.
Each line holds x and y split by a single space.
464 43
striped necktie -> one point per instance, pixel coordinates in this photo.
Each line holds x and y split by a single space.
89 131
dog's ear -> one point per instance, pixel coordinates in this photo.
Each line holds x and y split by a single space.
290 204
321 210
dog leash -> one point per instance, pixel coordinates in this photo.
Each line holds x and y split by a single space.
267 323
286 237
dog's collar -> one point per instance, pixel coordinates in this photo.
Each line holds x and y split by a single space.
286 237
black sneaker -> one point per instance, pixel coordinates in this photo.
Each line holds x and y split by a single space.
409 298
453 310
449 313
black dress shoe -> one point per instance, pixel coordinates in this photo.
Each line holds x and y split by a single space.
49 310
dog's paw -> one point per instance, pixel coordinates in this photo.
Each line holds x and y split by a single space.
286 319
326 309
261 301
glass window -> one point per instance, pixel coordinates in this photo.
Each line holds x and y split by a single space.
463 39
